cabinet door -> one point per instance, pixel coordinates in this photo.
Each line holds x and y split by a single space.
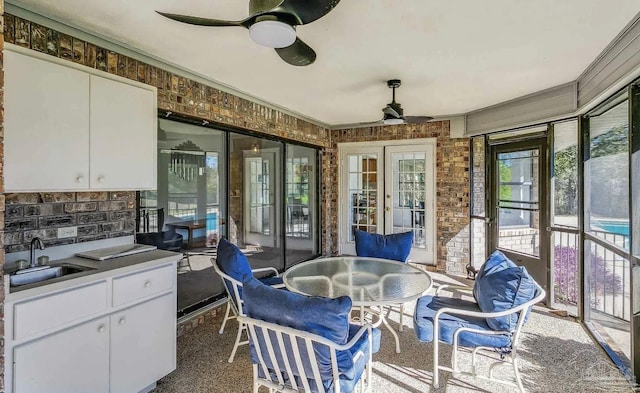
123 136
143 344
72 361
46 125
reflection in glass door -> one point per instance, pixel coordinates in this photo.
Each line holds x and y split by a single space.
519 205
359 207
301 214
260 199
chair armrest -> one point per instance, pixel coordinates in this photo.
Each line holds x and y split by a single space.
453 287
356 337
448 310
266 269
305 334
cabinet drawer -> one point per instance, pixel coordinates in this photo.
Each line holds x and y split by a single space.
41 314
143 284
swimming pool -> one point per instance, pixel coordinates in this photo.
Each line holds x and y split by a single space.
617 227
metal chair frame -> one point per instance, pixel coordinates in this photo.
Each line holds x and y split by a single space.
283 379
510 356
235 304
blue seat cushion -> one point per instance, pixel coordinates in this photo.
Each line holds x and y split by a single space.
396 246
502 285
271 281
325 317
425 312
232 261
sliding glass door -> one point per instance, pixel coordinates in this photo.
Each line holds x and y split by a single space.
301 193
260 194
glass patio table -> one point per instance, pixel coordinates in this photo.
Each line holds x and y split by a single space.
367 281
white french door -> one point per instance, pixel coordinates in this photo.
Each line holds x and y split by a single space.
388 187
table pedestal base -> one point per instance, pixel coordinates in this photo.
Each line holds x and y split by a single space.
381 320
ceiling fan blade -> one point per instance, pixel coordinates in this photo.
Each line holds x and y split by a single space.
297 54
417 119
195 20
371 123
262 6
307 10
388 110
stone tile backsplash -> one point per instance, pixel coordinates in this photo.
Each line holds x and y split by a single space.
96 215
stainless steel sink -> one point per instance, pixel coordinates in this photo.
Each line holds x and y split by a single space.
41 273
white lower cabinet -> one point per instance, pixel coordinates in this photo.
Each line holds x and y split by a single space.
123 346
140 344
75 360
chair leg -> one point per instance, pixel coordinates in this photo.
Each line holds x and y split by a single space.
226 318
514 361
435 360
237 343
256 385
401 315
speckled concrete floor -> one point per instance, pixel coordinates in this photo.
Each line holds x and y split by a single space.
557 355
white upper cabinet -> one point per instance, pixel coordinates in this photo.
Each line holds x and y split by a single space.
123 136
72 128
46 125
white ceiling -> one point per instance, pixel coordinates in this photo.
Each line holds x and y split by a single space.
453 56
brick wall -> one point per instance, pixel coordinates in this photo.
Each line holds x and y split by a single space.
97 215
452 187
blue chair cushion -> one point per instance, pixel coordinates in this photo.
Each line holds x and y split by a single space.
272 281
325 317
232 261
425 312
501 285
396 246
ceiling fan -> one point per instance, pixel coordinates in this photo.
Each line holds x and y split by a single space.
272 23
394 114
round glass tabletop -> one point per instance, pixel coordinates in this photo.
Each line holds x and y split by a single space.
367 281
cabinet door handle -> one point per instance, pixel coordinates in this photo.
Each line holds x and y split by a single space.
101 329
122 321
79 179
101 179
147 284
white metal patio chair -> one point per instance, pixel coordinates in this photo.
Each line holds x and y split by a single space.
298 370
237 268
464 323
306 344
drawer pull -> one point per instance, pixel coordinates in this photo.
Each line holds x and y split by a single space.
122 321
101 329
147 284
79 179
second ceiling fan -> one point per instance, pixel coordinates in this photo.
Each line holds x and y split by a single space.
393 114
272 23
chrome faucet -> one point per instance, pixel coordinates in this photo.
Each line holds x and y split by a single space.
35 242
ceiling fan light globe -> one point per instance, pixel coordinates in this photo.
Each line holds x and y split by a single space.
393 121
272 34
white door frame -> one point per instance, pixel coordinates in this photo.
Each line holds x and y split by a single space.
347 247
